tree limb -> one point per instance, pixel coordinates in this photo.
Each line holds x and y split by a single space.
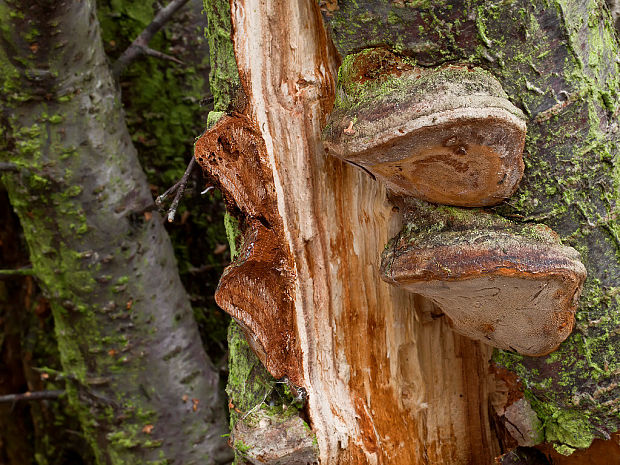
157 54
28 396
9 167
140 45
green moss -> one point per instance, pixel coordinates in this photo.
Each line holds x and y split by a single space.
566 428
55 119
213 117
224 76
232 233
241 447
362 77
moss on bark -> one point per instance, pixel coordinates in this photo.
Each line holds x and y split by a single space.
224 76
557 61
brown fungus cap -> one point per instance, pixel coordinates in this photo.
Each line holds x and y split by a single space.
515 287
446 135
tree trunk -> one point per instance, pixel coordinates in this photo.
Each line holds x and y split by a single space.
387 379
137 373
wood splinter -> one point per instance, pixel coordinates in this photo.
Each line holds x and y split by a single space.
512 286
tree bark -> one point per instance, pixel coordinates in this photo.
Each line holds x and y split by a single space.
137 374
387 379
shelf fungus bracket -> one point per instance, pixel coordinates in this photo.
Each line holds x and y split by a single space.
510 285
450 136
447 135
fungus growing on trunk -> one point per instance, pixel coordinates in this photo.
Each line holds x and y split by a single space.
445 135
512 286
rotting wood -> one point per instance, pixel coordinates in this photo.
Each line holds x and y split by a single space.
257 288
363 349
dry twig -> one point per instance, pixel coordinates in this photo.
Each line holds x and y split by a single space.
178 189
9 167
28 396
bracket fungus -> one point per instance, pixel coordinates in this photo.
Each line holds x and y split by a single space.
513 286
445 135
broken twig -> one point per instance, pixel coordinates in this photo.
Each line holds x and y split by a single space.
140 46
28 396
179 189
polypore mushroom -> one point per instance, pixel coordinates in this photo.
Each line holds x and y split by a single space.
445 135
512 286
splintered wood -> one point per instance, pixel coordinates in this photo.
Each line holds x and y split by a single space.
384 385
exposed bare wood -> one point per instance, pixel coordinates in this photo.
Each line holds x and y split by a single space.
385 385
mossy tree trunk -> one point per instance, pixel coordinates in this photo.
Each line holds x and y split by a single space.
136 371
388 381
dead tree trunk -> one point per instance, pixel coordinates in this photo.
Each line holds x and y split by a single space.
388 378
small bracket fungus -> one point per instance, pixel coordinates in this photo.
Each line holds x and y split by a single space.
512 286
446 135
268 438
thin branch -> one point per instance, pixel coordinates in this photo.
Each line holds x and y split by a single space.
161 55
28 396
203 268
140 45
179 188
9 167
26 271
